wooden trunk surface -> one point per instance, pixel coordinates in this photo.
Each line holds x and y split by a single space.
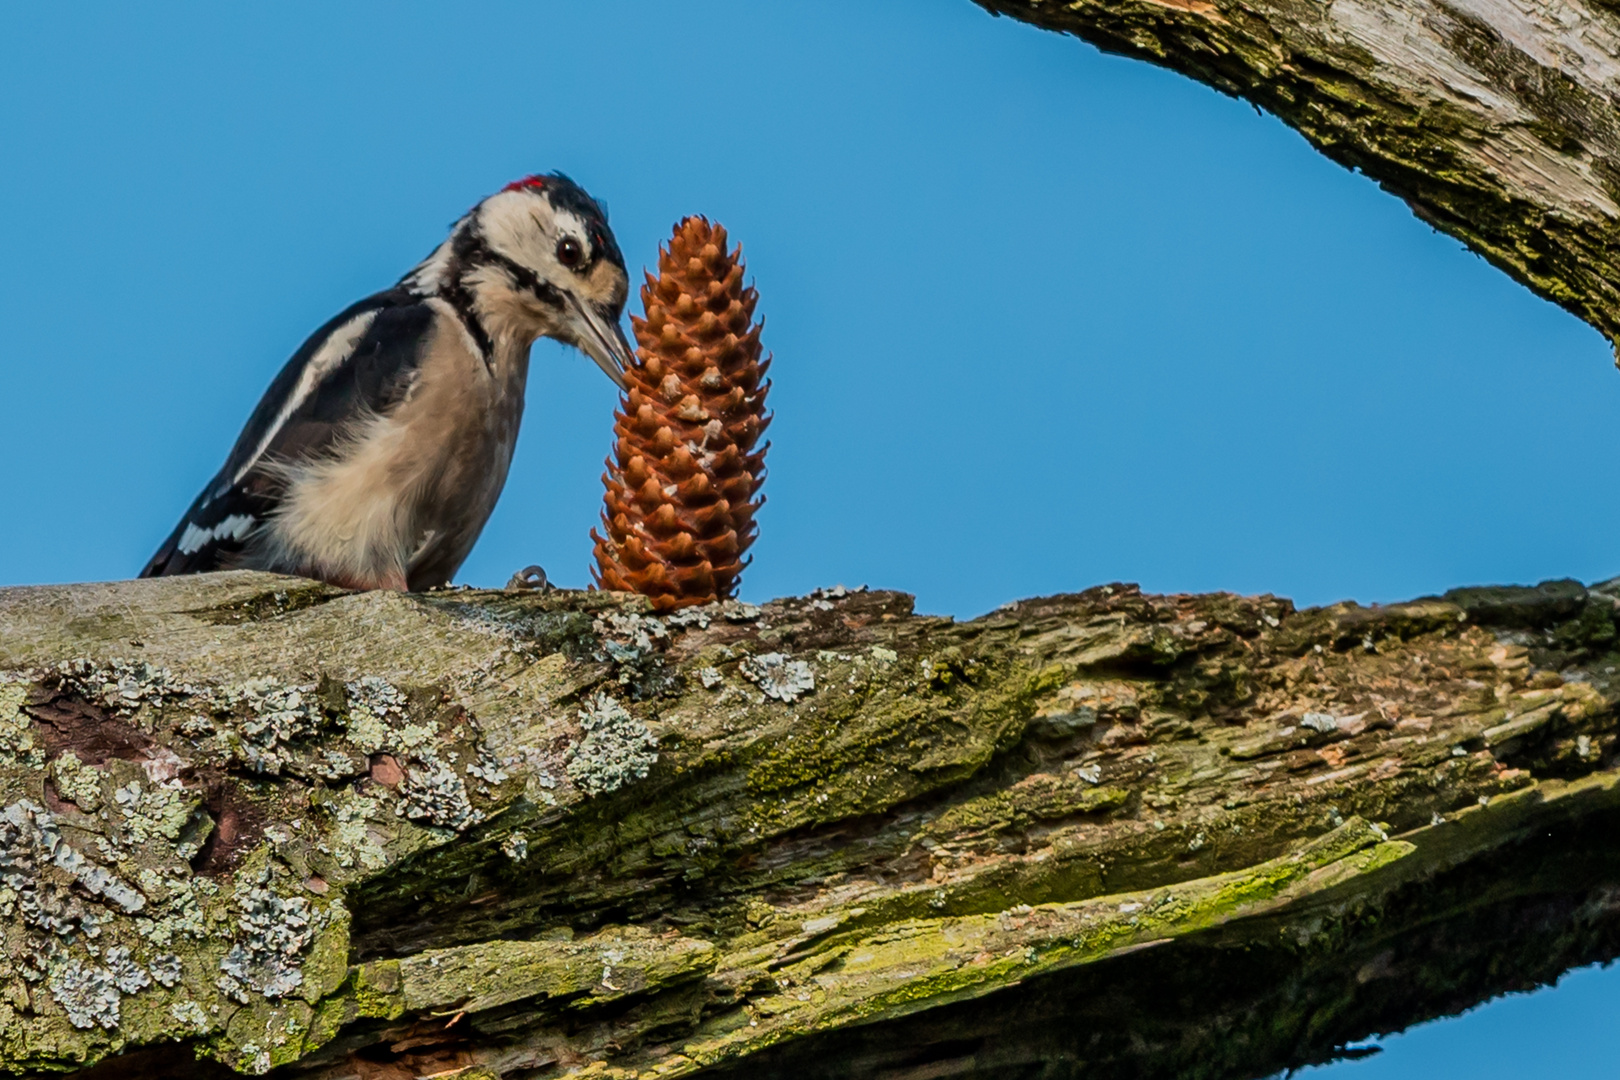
541 835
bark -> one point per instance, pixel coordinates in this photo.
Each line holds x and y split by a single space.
276 825
1494 119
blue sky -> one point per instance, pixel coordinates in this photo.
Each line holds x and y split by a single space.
1042 318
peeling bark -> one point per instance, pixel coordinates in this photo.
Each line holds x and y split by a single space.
1495 120
279 826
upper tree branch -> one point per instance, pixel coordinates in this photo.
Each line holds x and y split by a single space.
1496 121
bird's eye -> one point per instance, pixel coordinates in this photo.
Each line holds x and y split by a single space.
569 251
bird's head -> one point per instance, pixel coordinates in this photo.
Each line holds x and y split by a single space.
537 259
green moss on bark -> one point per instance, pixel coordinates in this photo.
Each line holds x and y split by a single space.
310 848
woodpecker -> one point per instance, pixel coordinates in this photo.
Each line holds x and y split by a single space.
377 454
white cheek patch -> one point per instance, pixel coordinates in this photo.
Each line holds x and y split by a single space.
525 227
515 224
235 527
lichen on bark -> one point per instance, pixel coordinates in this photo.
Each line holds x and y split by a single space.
289 827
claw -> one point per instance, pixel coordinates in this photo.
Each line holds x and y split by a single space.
530 578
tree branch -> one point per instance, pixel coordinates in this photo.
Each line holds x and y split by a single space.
517 834
1496 122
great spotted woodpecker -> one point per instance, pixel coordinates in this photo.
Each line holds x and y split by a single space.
377 454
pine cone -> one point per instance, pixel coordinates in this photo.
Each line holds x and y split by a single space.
679 508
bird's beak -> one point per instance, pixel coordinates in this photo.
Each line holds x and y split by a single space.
603 341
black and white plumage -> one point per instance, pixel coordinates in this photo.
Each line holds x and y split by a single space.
378 452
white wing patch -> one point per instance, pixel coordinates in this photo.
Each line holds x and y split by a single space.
235 527
338 347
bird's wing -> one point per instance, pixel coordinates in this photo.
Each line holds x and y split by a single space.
363 360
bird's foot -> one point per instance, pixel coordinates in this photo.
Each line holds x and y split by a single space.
529 579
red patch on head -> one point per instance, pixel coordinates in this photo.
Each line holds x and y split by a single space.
527 182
